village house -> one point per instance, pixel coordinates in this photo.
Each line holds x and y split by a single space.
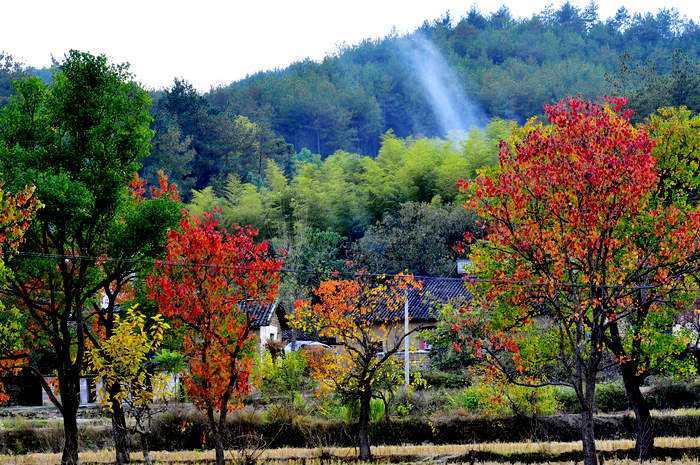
264 322
423 309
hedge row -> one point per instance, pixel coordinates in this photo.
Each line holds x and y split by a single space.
187 431
611 397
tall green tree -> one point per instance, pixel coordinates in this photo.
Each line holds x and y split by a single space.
80 140
419 237
649 88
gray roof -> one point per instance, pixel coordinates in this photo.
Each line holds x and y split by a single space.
260 314
424 304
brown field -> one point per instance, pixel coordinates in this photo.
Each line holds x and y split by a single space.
425 454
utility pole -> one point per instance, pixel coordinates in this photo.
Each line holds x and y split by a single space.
406 342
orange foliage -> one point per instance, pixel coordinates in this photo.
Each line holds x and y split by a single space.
207 273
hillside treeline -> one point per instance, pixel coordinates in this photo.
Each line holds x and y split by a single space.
508 67
343 158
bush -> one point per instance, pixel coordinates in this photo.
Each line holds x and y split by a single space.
609 397
669 394
418 402
283 379
567 402
446 379
465 399
335 410
499 401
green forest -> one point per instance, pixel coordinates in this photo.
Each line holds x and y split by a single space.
284 249
347 157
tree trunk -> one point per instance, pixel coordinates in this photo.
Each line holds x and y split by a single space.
644 425
363 427
70 401
145 448
587 422
219 447
216 435
119 430
588 438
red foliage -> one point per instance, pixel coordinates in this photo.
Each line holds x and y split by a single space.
207 273
570 217
164 188
16 211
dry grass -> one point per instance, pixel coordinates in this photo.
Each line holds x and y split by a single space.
423 453
338 462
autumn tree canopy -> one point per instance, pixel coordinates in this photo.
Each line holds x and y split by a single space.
124 358
364 316
573 239
16 211
207 274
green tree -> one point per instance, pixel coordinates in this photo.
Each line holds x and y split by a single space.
331 196
419 237
79 141
316 254
650 88
172 154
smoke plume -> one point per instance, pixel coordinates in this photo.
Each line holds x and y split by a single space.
455 113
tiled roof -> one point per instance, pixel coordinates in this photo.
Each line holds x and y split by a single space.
424 303
296 335
259 314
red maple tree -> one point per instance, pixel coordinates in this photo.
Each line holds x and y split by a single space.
208 272
573 244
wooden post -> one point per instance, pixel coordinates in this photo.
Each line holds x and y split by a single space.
406 342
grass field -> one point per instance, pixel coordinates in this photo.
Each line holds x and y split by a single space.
674 449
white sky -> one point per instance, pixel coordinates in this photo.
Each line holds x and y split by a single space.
210 42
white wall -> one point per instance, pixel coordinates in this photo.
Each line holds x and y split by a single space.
267 333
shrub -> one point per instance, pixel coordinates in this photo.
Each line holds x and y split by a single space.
465 399
376 410
420 402
497 401
446 379
289 410
284 378
567 401
611 397
669 394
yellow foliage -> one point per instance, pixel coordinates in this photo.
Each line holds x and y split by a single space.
123 357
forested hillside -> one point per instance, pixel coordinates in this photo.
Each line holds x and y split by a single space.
503 66
451 74
508 67
369 142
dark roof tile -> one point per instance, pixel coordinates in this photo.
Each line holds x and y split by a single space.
259 314
424 303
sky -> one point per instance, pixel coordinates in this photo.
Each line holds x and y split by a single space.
215 42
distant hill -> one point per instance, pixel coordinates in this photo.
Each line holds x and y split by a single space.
447 76
507 67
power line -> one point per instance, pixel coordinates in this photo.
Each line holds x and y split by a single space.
469 279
